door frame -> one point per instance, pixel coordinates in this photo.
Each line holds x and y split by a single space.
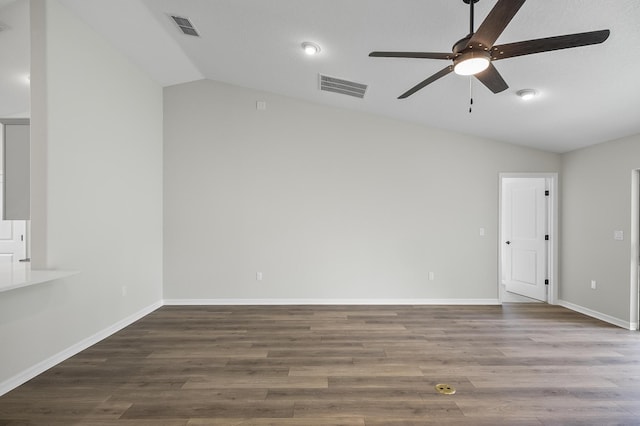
552 253
634 308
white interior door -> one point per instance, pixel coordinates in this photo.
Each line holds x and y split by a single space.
12 236
524 228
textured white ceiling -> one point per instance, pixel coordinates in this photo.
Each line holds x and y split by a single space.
587 95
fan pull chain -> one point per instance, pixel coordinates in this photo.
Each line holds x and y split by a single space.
470 94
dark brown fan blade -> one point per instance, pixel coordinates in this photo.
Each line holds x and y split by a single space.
495 22
426 82
492 79
420 55
548 44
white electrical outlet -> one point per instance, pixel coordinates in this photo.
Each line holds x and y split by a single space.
618 235
432 276
593 284
482 232
258 276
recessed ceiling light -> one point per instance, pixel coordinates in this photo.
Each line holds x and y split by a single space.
310 48
527 94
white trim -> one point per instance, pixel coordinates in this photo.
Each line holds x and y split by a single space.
43 366
634 296
599 315
241 302
552 296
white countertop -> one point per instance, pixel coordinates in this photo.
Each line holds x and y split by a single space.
18 275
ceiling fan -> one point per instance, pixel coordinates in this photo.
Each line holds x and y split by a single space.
474 54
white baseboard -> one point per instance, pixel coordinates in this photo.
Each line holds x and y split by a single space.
241 302
43 366
599 315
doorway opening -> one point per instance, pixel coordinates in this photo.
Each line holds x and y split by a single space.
13 236
528 237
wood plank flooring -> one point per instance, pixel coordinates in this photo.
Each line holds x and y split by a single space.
344 365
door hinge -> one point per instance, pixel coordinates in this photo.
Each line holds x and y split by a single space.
21 237
546 237
546 193
546 282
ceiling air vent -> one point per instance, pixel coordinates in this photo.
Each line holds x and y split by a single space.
344 87
185 25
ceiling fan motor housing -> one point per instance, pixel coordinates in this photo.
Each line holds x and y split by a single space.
461 45
471 54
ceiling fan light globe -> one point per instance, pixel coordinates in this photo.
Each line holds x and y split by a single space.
471 65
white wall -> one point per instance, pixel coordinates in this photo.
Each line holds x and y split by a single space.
326 203
596 201
98 137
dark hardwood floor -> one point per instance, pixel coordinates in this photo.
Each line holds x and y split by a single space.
344 365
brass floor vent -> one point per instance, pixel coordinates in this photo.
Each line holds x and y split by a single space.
445 389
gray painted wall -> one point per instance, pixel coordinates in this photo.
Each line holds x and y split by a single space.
596 201
103 156
326 203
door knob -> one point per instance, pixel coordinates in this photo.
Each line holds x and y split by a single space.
508 242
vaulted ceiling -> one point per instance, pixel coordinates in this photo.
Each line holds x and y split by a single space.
587 95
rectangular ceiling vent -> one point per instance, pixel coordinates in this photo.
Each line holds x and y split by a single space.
185 25
344 87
